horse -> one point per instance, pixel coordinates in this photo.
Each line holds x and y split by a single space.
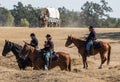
63 60
16 48
80 44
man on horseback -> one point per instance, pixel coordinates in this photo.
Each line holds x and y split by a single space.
89 41
49 48
34 41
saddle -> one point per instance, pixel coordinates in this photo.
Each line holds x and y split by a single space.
54 55
97 44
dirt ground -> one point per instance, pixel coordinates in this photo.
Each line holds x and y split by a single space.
9 71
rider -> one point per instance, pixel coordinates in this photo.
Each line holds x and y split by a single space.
34 41
89 40
49 48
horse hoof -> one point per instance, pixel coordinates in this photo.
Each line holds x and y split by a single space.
34 69
100 68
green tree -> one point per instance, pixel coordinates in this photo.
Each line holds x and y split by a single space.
32 15
92 12
25 12
69 18
113 22
118 23
6 18
24 22
63 16
18 12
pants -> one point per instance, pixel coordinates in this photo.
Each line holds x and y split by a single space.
48 58
89 45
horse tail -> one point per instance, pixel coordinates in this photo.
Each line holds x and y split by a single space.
69 66
109 52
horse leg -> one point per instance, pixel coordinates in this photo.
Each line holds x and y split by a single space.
63 66
86 63
103 59
102 62
34 67
84 66
66 66
68 63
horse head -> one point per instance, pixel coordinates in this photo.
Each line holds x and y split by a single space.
69 41
7 47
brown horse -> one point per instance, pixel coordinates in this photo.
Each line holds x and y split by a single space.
63 61
80 44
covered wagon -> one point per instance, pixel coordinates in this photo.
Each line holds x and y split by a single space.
49 17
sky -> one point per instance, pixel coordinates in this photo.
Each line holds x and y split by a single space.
69 4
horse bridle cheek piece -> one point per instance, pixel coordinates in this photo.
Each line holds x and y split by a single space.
11 45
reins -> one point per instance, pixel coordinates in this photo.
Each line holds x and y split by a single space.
28 52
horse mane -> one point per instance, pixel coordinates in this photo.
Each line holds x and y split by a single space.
16 48
83 41
15 44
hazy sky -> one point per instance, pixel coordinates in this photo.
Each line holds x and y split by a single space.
69 4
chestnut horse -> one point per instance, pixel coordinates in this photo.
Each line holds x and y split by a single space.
80 44
63 61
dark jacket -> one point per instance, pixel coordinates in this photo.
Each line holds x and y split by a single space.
34 43
49 45
92 36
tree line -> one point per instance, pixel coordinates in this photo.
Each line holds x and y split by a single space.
95 14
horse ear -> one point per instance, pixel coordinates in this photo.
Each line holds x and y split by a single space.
6 40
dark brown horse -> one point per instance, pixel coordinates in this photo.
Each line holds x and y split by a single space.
80 44
63 61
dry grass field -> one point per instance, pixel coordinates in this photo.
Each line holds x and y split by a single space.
9 71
